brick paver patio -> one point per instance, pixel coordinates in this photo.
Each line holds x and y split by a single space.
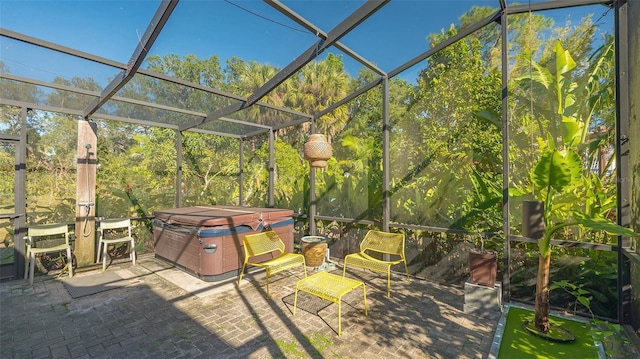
152 317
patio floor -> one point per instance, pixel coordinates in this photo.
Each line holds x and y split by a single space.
163 312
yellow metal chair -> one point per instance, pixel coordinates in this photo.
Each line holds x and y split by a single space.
265 243
49 238
117 231
380 244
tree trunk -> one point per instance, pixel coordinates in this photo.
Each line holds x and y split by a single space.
542 293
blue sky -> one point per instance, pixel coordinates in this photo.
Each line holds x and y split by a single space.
249 29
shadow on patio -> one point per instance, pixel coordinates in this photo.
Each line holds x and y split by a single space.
165 313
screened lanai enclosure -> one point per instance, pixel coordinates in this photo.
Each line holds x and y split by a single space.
439 115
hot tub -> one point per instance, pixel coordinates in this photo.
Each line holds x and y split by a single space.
206 241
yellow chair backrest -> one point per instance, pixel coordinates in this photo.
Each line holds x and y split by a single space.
115 224
46 233
261 243
383 242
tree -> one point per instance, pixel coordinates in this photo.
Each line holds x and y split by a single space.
50 165
555 172
442 142
559 173
320 84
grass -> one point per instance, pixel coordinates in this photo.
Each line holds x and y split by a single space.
290 348
517 343
318 342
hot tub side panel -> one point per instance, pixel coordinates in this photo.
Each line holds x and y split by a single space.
232 249
177 245
211 254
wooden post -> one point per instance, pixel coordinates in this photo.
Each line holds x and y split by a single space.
85 244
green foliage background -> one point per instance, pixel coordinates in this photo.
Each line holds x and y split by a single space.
446 143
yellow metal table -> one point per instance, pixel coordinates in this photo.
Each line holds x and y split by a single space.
330 287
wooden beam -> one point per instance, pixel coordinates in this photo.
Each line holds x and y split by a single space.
85 245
